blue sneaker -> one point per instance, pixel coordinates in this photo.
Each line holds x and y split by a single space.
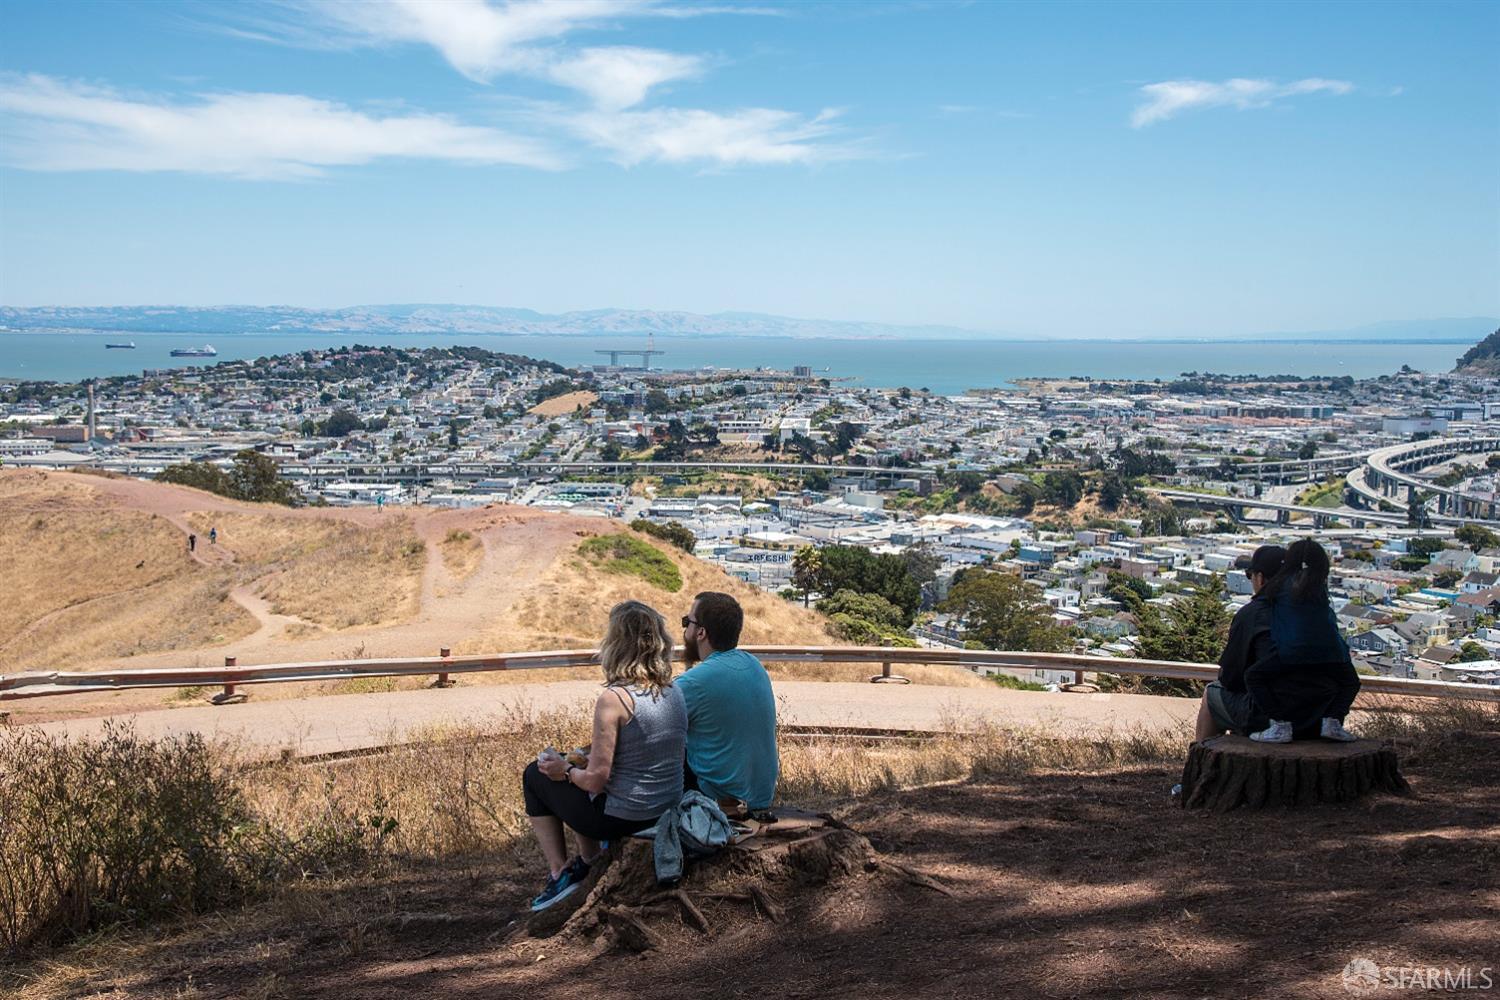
559 887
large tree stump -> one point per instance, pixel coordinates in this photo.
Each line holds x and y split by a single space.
1225 772
789 864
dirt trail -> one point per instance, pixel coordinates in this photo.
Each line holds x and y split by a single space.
519 545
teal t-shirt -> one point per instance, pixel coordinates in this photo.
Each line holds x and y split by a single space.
731 738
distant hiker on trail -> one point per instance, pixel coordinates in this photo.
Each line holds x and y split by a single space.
192 543
632 771
213 536
731 737
1308 685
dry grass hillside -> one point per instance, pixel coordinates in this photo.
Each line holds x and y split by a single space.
104 578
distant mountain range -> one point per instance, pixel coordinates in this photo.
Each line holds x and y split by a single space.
460 319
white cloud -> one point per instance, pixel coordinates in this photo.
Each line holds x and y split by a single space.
620 76
686 135
484 40
62 125
479 39
1164 100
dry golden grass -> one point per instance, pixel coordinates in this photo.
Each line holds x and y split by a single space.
89 583
562 405
569 607
186 613
462 553
57 559
329 572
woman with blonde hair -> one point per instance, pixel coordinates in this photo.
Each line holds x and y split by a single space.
633 771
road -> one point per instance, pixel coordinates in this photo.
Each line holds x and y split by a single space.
310 726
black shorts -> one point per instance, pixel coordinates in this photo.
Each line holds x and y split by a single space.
572 805
1234 710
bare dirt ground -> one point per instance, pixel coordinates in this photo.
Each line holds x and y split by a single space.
558 406
1059 884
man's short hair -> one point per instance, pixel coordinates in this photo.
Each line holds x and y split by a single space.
721 617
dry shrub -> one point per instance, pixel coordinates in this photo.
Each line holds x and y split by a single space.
454 791
1422 721
122 830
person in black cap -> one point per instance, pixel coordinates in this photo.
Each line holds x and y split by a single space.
1226 703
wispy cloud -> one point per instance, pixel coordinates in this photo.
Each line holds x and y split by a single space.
64 125
620 76
1161 101
685 135
484 40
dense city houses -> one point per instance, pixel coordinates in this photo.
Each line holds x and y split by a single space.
1098 494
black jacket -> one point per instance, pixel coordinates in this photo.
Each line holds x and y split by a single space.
1288 655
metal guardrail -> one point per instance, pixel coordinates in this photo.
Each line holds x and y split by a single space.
231 676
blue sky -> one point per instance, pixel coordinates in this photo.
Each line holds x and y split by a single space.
1051 169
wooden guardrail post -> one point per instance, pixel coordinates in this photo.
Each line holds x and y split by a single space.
443 680
229 696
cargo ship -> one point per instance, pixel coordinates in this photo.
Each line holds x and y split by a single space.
122 347
206 351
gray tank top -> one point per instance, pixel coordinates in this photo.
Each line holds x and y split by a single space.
646 776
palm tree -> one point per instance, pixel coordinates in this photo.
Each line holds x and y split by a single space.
806 565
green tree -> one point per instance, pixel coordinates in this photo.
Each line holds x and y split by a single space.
1471 651
1309 449
922 563
1063 489
254 477
1477 537
806 566
1424 546
867 619
198 475
1192 629
1112 491
1002 611
850 567
1129 591
340 423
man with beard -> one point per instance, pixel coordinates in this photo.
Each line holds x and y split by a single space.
731 738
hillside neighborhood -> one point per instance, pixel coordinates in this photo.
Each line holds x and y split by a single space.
1106 497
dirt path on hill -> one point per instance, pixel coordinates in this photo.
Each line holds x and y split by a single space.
518 546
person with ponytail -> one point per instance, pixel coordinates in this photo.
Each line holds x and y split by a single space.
1303 681
631 772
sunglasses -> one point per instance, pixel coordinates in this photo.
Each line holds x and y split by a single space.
690 620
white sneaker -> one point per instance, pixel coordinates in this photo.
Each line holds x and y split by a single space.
1333 729
1276 732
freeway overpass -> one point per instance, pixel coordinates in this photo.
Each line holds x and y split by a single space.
1321 516
1296 470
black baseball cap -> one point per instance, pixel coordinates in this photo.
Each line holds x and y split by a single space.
1266 560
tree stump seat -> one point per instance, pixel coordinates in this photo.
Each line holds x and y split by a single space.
774 866
1227 772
